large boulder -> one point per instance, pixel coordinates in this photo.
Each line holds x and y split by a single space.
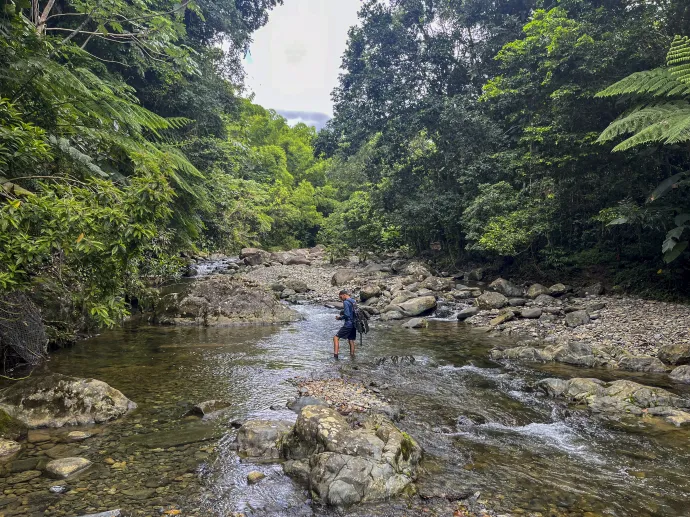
435 283
491 301
675 353
535 290
417 270
574 353
641 363
558 289
281 257
343 276
369 291
298 260
56 400
344 466
467 313
299 286
681 374
620 397
225 301
262 439
255 256
505 287
417 306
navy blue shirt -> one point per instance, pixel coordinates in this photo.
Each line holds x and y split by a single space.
349 311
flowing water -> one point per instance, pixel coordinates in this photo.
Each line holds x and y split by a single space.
482 427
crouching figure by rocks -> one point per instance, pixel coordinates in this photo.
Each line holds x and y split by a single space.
342 465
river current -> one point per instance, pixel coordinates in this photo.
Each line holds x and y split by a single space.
484 430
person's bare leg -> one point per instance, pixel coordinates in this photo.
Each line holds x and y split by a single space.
336 346
352 347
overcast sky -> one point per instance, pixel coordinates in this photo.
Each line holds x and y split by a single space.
294 60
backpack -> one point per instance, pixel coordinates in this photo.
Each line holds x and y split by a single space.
361 319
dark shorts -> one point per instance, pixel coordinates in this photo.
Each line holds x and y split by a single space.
348 332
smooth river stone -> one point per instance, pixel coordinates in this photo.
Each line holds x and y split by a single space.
65 467
8 448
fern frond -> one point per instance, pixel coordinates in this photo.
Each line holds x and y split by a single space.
678 59
656 83
668 119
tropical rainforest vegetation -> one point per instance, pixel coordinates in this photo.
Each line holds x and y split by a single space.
547 136
492 128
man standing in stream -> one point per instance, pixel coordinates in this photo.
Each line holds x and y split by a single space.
348 330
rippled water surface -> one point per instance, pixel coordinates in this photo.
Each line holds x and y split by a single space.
481 425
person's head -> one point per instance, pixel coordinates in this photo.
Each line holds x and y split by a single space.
343 295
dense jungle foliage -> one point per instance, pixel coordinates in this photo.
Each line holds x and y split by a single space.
478 125
124 141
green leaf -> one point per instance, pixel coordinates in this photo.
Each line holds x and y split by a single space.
681 219
674 253
617 221
665 186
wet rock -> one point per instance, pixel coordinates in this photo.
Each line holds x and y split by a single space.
531 313
38 436
535 290
576 318
491 300
10 427
619 397
343 276
226 301
66 467
110 513
467 313
194 433
58 489
594 289
23 477
402 297
297 470
254 477
418 306
346 466
675 353
416 323
208 407
24 464
263 439
369 291
506 288
8 449
516 302
56 400
392 315
396 360
681 374
558 290
287 294
297 404
443 310
575 353
641 363
78 436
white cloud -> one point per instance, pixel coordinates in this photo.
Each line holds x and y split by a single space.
295 58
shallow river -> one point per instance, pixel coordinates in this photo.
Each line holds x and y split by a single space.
481 425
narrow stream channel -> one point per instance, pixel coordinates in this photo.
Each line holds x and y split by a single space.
481 425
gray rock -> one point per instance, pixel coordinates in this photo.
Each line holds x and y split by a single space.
506 288
343 276
418 306
8 448
282 257
296 285
398 266
577 318
254 477
535 290
262 439
545 299
468 313
298 261
255 256
277 287
491 300
516 302
56 400
110 513
208 407
287 294
595 306
392 315
534 313
434 283
558 289
416 323
297 404
65 467
369 291
641 363
675 353
475 275
417 270
346 466
681 374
